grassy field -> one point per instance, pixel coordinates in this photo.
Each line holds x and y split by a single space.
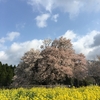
57 93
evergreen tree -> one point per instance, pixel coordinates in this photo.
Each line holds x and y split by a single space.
6 74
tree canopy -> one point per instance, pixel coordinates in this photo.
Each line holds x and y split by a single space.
6 74
55 63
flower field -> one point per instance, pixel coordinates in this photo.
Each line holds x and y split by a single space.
57 93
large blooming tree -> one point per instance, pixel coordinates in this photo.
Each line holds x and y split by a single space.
55 63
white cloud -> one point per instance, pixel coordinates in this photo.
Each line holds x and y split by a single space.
47 4
73 7
41 20
83 44
88 44
70 6
10 37
2 40
54 17
3 56
70 35
93 54
13 54
91 5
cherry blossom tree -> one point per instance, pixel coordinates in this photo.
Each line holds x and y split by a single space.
55 63
23 72
58 63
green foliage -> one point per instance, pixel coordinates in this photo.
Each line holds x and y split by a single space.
6 74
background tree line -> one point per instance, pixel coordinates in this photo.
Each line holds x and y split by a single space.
6 74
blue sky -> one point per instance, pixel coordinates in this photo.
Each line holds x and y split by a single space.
25 23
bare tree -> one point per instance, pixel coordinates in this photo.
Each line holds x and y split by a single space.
62 43
46 43
94 70
98 57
